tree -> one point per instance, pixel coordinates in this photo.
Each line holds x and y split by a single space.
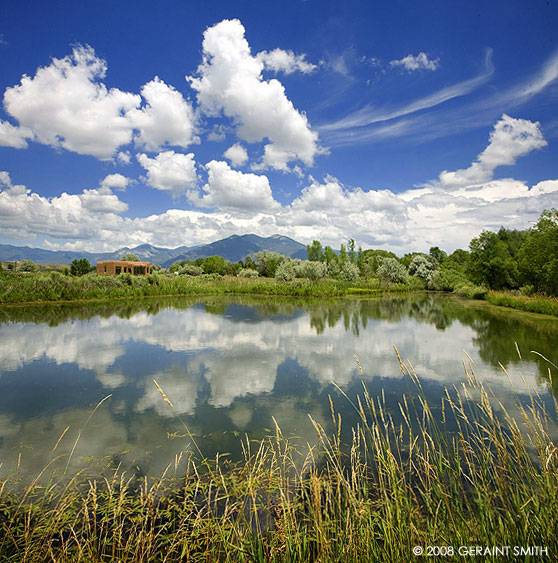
351 248
314 270
391 270
129 257
315 252
538 255
214 265
490 262
80 267
349 272
27 266
268 262
423 267
285 271
437 253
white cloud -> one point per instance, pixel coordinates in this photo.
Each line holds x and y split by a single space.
117 181
102 200
510 139
66 104
167 119
170 171
446 215
237 155
232 190
124 157
279 60
229 80
417 62
15 137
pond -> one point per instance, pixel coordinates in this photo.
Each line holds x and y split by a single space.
232 366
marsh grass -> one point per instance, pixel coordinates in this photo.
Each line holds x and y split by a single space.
34 287
466 471
532 304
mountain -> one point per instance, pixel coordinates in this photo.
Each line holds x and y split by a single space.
237 247
233 248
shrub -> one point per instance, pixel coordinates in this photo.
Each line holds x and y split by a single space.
391 270
423 267
349 272
248 273
527 290
189 270
285 271
27 266
314 270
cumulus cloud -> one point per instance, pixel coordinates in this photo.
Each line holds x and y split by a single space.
15 137
66 105
510 139
232 190
447 215
416 62
170 171
279 60
237 155
229 81
167 118
117 181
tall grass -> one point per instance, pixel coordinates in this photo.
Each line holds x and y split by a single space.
33 287
474 474
534 304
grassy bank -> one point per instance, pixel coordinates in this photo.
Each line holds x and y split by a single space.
491 480
35 287
535 304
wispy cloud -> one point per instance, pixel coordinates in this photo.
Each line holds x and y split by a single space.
369 116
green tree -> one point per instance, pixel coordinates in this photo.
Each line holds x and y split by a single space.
423 267
268 262
315 252
351 249
285 271
342 254
129 257
80 267
27 266
490 262
214 265
538 255
438 254
391 270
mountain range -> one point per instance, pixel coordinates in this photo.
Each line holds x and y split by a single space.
233 248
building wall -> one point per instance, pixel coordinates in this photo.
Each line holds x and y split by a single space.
115 267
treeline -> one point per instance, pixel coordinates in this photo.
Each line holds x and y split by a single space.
525 262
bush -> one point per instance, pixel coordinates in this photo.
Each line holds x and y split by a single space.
472 291
248 273
392 271
80 267
423 267
313 270
285 271
349 272
27 266
189 270
527 290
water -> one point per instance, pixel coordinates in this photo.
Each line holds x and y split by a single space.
232 365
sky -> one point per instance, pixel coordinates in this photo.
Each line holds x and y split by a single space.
402 125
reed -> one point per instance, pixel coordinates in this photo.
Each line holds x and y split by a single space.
464 472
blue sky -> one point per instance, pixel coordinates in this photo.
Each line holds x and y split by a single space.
402 125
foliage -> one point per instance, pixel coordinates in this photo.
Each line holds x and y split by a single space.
349 272
538 256
190 270
492 481
491 263
285 271
27 266
213 265
80 267
314 270
438 254
248 273
392 271
423 266
268 262
129 257
315 252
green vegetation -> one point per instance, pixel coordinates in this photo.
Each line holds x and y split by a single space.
80 267
464 472
522 262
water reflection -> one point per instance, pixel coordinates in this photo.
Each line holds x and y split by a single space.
230 365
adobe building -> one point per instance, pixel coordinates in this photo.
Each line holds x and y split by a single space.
115 267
